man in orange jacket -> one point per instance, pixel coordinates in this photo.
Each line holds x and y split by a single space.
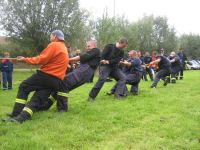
53 62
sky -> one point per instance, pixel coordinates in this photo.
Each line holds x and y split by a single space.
184 15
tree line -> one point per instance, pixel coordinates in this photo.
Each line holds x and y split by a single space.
28 24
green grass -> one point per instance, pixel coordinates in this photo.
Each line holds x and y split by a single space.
163 118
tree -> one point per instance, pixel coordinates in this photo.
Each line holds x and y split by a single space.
151 33
191 45
109 29
144 33
164 36
30 22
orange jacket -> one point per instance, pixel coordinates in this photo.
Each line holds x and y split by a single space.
53 59
155 66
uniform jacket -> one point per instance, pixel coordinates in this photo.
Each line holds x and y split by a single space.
112 54
53 60
6 65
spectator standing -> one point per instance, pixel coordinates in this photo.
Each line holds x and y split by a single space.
7 70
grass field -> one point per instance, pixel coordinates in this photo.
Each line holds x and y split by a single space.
166 118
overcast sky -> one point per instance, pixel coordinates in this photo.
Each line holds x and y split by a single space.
184 15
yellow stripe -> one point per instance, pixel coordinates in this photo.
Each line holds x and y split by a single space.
21 101
173 78
62 94
28 110
52 98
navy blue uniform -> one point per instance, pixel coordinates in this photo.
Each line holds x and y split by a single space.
89 62
7 70
113 55
164 70
176 67
133 76
183 58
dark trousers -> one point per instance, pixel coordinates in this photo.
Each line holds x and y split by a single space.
91 79
82 74
174 74
37 82
104 72
148 71
133 80
7 79
143 74
38 102
181 71
161 74
42 100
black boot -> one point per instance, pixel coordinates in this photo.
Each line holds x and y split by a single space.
155 82
10 120
173 80
16 110
166 81
151 77
23 116
62 104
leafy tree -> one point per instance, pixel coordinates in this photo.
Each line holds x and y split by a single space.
150 33
29 22
109 30
191 45
144 33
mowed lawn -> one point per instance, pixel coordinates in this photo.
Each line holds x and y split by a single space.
157 119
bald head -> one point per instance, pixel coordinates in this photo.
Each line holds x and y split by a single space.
91 44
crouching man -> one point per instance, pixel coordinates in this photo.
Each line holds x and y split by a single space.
176 66
133 71
164 70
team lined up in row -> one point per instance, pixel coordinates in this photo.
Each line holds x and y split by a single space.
51 84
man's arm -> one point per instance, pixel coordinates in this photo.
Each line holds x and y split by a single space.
125 63
41 59
155 61
76 58
173 60
89 55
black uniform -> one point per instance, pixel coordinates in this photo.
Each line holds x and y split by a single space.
164 70
176 67
89 62
38 81
147 60
42 100
113 55
133 76
183 59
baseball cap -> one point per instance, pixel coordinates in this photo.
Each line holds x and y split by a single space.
59 34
